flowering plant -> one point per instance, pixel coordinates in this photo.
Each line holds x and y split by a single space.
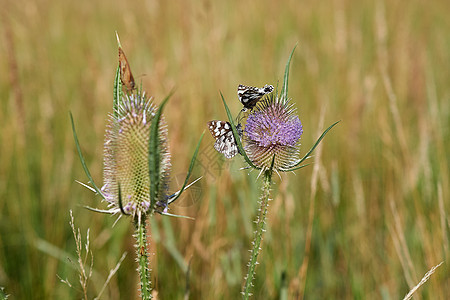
270 142
136 162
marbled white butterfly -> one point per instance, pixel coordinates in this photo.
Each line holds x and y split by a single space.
225 141
250 95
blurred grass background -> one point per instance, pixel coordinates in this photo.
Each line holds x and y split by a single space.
366 221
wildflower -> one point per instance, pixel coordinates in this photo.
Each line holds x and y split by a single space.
136 162
273 129
270 142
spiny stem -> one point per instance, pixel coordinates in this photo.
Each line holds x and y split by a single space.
142 257
260 225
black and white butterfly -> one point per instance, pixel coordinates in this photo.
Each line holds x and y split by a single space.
250 95
225 141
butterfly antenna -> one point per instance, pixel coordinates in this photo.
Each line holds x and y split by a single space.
241 116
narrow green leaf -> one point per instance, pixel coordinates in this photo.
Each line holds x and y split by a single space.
294 167
117 83
174 196
284 90
83 163
117 91
236 135
191 166
154 154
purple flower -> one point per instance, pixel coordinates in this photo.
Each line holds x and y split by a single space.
273 129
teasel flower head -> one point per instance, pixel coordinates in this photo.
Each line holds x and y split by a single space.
273 130
126 157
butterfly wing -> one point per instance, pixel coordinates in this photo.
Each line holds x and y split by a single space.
250 95
225 141
226 145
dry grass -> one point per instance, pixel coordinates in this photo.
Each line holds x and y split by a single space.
365 222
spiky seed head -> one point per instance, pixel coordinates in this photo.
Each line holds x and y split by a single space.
126 152
273 128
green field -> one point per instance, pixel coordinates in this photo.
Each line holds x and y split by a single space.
366 220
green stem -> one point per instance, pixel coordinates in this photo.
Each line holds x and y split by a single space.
260 225
142 258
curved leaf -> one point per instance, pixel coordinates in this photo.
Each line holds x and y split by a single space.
236 135
191 166
117 92
83 162
284 89
120 200
154 154
294 167
117 84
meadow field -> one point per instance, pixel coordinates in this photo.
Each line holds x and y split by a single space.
366 220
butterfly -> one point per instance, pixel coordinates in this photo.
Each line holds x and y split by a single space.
225 141
250 95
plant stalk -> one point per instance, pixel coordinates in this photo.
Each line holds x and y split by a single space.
142 258
260 225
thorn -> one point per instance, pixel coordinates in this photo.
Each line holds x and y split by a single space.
100 210
86 186
118 40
